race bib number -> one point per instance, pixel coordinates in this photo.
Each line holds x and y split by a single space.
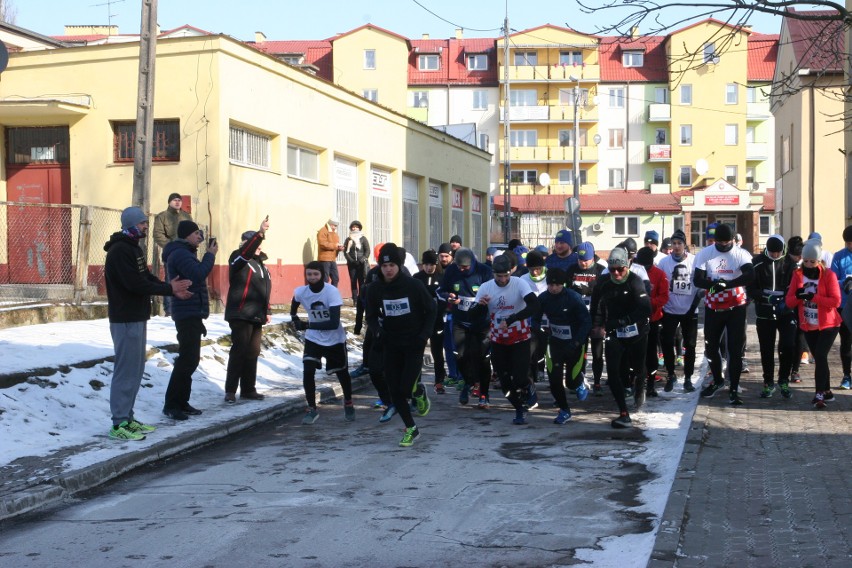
811 314
561 331
544 321
466 302
682 287
319 316
627 331
398 307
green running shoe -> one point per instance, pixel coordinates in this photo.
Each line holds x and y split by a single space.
122 432
768 391
422 401
136 426
785 390
408 436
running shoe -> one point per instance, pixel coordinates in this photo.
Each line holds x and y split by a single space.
828 396
563 417
408 436
391 410
628 392
819 401
439 388
136 426
785 390
532 399
796 378
735 399
349 412
623 421
582 392
846 383
422 401
660 360
671 381
745 369
361 370
122 432
520 417
379 404
310 417
805 360
484 402
679 362
688 386
464 394
451 382
474 392
597 389
710 390
768 391
230 397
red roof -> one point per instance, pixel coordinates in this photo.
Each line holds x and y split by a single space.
453 67
655 65
762 55
315 52
818 42
597 202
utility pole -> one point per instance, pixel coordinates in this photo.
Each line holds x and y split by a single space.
575 230
142 146
507 125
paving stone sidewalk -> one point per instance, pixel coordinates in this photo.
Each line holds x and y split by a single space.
764 484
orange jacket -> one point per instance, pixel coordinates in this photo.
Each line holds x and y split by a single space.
827 299
327 241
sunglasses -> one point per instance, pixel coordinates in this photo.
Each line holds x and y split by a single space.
617 269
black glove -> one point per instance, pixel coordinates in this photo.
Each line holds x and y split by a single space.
298 324
847 285
802 295
719 286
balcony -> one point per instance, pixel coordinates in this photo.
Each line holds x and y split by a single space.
658 112
530 73
526 113
757 111
563 154
661 188
660 153
555 113
757 151
587 154
554 188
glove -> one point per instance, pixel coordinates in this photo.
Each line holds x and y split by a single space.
719 286
802 295
847 285
298 324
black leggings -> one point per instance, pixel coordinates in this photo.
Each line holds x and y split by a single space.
633 352
511 363
436 347
733 323
785 328
562 356
309 370
845 346
403 364
472 357
688 325
597 345
820 343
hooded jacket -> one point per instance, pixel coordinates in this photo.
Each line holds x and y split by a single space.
771 280
465 285
129 283
181 259
400 311
250 284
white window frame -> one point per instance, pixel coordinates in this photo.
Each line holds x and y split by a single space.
567 134
566 97
616 138
370 59
685 170
570 58
709 52
732 134
661 135
250 148
750 134
659 175
296 166
661 95
732 95
615 178
371 95
686 95
751 94
480 99
420 99
523 176
750 175
686 135
566 177
523 97
616 97
633 58
429 62
761 220
477 62
523 138
731 175
525 58
625 226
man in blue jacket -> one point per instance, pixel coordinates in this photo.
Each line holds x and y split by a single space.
181 259
841 265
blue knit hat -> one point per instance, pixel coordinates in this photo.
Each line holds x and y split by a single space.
585 251
652 236
564 236
131 217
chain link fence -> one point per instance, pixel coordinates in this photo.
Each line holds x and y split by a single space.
54 252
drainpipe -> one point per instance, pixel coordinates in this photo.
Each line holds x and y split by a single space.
626 135
812 161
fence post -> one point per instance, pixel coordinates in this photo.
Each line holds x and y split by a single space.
81 279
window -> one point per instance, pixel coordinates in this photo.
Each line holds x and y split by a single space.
429 62
710 53
302 163
750 175
686 94
685 178
633 58
749 134
751 94
616 178
477 62
570 57
660 136
616 98
566 177
626 226
566 137
678 223
480 100
369 59
731 175
483 141
616 138
40 145
166 147
731 94
421 99
765 227
526 58
731 134
566 97
661 95
523 138
371 95
249 148
523 176
292 59
523 97
659 175
686 135
698 231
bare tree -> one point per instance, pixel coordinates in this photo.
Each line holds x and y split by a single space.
8 11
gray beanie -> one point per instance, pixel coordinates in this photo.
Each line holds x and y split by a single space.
131 217
812 250
618 257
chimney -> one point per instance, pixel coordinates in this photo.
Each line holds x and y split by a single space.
634 31
259 37
425 36
459 33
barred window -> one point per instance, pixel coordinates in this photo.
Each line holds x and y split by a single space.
165 146
37 145
249 148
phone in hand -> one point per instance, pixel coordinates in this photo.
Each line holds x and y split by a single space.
211 242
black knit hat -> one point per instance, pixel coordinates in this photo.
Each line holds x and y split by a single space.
795 245
556 276
391 253
186 228
429 257
534 259
445 248
679 235
645 257
724 232
175 196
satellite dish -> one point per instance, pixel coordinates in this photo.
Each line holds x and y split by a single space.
544 179
755 186
715 60
701 166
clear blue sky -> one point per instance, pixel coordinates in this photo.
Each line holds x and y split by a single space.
320 19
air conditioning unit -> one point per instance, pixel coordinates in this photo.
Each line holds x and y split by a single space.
597 227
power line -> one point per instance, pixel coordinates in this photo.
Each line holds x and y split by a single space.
455 24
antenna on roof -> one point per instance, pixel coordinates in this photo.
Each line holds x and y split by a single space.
110 15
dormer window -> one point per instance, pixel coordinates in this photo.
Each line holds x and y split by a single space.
295 59
429 62
633 58
477 62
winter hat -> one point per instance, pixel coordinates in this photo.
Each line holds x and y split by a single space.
333 221
652 236
645 257
248 235
391 253
429 257
131 217
667 243
795 245
629 245
465 257
377 249
815 236
617 257
445 248
585 251
724 232
501 265
847 234
564 236
455 239
186 228
556 276
316 265
491 251
775 243
514 243
521 252
534 259
356 224
679 236
175 196
711 230
543 250
812 250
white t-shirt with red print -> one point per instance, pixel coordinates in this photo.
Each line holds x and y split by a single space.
723 266
502 303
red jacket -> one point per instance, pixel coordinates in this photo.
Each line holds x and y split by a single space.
659 292
827 299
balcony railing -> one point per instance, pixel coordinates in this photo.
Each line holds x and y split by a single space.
553 72
658 112
758 111
555 188
564 154
757 151
660 153
542 113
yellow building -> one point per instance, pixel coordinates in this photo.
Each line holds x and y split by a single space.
241 135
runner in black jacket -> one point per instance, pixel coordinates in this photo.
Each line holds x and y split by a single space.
431 278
